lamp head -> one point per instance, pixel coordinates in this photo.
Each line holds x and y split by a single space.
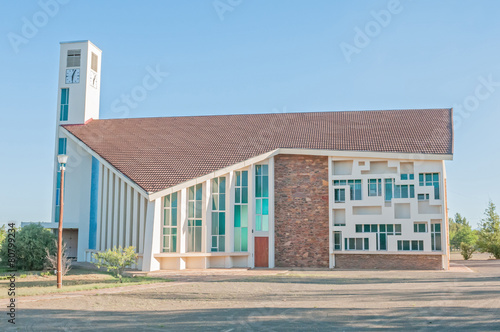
62 159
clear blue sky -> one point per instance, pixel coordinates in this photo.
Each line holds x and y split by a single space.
261 57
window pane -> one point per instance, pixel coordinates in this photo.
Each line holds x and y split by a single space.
222 243
258 186
374 228
359 243
222 185
366 228
198 210
265 206
245 178
406 245
199 192
237 239
244 215
367 244
244 239
390 228
359 228
244 195
215 186
265 186
237 195
215 202
352 243
222 223
258 223
237 216
238 178
265 223
258 206
383 241
222 202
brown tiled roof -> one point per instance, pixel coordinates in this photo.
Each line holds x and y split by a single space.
158 153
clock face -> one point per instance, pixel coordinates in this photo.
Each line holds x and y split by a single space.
72 76
93 79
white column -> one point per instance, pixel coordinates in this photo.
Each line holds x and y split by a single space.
142 221
152 236
251 216
331 257
271 212
121 218
182 233
116 225
206 242
230 212
128 217
135 220
109 220
99 208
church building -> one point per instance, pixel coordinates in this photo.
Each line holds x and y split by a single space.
354 189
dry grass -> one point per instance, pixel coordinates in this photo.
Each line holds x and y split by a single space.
77 280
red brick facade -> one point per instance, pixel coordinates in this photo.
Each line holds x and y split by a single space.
301 211
388 262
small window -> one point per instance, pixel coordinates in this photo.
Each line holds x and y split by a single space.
436 236
339 195
357 244
430 180
62 146
355 186
407 245
94 62
374 187
74 57
420 227
405 177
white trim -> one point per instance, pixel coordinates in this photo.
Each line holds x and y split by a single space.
121 219
212 175
116 224
99 208
366 154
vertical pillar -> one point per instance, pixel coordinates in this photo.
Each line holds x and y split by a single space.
183 227
99 208
230 183
121 218
251 216
109 219
271 212
135 220
142 221
152 236
116 225
331 257
206 242
128 217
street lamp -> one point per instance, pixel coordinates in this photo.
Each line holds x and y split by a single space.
62 159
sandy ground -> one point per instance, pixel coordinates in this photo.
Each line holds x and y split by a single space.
466 298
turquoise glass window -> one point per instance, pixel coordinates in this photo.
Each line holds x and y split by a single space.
241 211
218 214
63 116
261 197
62 146
195 206
169 234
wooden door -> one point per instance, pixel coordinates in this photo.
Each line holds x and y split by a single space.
261 252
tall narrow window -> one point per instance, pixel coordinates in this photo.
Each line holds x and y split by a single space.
355 186
74 57
241 211
170 223
337 240
62 146
430 180
218 214
63 116
262 198
195 204
436 236
58 193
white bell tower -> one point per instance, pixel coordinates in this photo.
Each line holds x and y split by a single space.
77 103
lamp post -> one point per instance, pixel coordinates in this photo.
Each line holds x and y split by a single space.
62 159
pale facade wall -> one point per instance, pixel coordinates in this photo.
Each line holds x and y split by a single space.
376 210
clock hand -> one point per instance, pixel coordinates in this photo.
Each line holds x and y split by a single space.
73 76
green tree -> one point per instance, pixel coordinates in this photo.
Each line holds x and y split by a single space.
3 233
489 234
460 231
116 260
31 244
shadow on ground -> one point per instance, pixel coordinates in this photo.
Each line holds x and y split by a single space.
262 319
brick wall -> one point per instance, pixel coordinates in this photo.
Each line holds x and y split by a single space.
301 211
388 262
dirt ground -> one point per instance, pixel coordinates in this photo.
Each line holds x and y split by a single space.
466 298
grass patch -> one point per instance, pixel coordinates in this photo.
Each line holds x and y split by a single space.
75 280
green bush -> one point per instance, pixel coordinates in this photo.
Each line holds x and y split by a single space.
489 234
116 260
31 242
467 250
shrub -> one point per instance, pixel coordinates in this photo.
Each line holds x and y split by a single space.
116 260
467 250
31 242
51 260
489 234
